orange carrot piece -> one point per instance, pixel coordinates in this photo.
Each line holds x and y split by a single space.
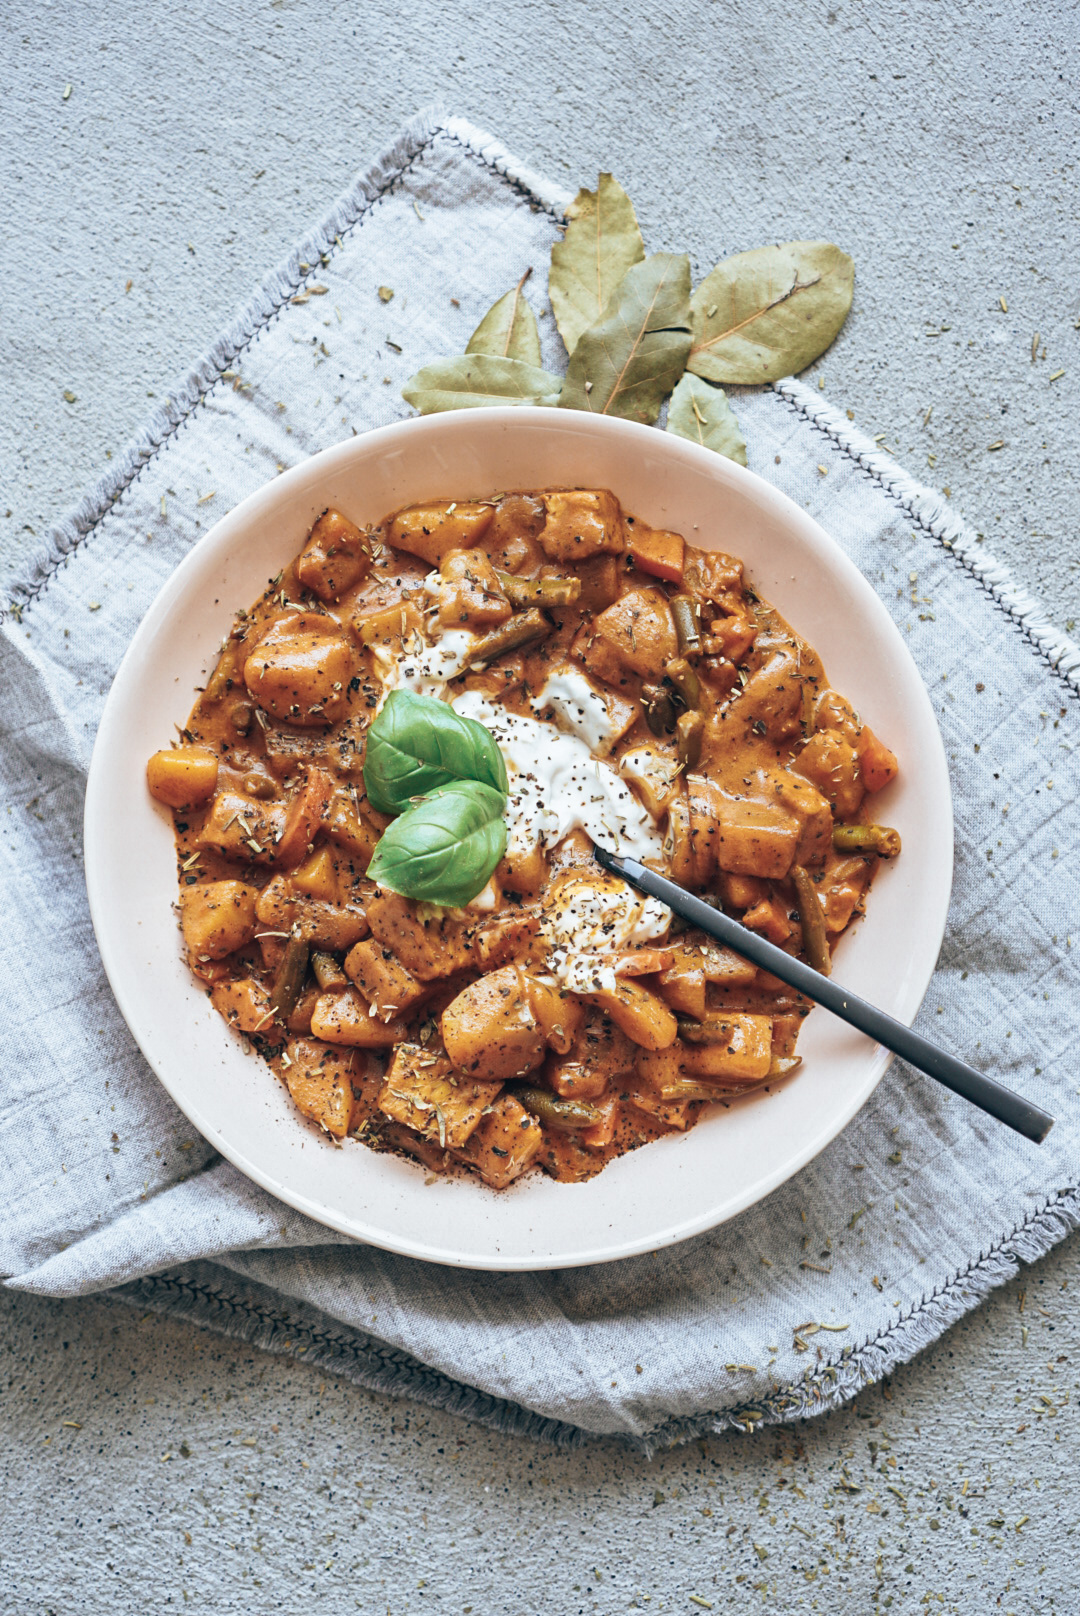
658 553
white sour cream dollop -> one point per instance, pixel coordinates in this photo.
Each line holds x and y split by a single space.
556 785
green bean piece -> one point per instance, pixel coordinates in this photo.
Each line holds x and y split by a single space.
219 681
686 682
289 977
688 733
524 592
712 1030
257 784
659 709
685 612
568 1116
688 1088
878 839
520 631
328 971
815 940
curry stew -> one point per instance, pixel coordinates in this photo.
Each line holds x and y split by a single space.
642 695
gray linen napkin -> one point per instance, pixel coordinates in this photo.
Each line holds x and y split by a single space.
907 1220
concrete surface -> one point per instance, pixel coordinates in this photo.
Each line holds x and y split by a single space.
938 145
144 1467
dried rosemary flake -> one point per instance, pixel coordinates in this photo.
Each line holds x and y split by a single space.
1004 305
1000 444
385 293
1055 377
70 397
318 291
67 93
206 498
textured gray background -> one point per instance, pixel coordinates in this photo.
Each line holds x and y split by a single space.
939 146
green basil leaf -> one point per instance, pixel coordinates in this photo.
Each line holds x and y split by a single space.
601 243
771 312
702 414
418 744
629 361
508 329
469 380
444 849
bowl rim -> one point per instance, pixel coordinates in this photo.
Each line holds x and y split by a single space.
97 812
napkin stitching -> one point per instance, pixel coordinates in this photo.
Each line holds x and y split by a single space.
394 1372
933 514
833 1383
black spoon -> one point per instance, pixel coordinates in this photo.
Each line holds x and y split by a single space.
991 1097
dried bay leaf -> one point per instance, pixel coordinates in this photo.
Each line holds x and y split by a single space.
702 413
468 381
631 358
602 242
771 312
508 329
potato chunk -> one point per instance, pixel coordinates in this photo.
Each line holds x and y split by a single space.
507 936
244 1004
642 1015
771 701
300 670
342 1016
638 631
432 531
184 775
320 1081
490 1030
470 595
653 771
801 797
283 907
600 1052
428 949
831 763
754 838
582 522
423 1092
505 1142
335 557
217 918
382 979
741 1055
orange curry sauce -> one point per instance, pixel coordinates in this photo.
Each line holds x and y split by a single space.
446 1034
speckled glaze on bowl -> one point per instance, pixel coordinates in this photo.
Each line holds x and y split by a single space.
669 1190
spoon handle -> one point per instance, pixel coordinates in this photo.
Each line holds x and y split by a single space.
997 1101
